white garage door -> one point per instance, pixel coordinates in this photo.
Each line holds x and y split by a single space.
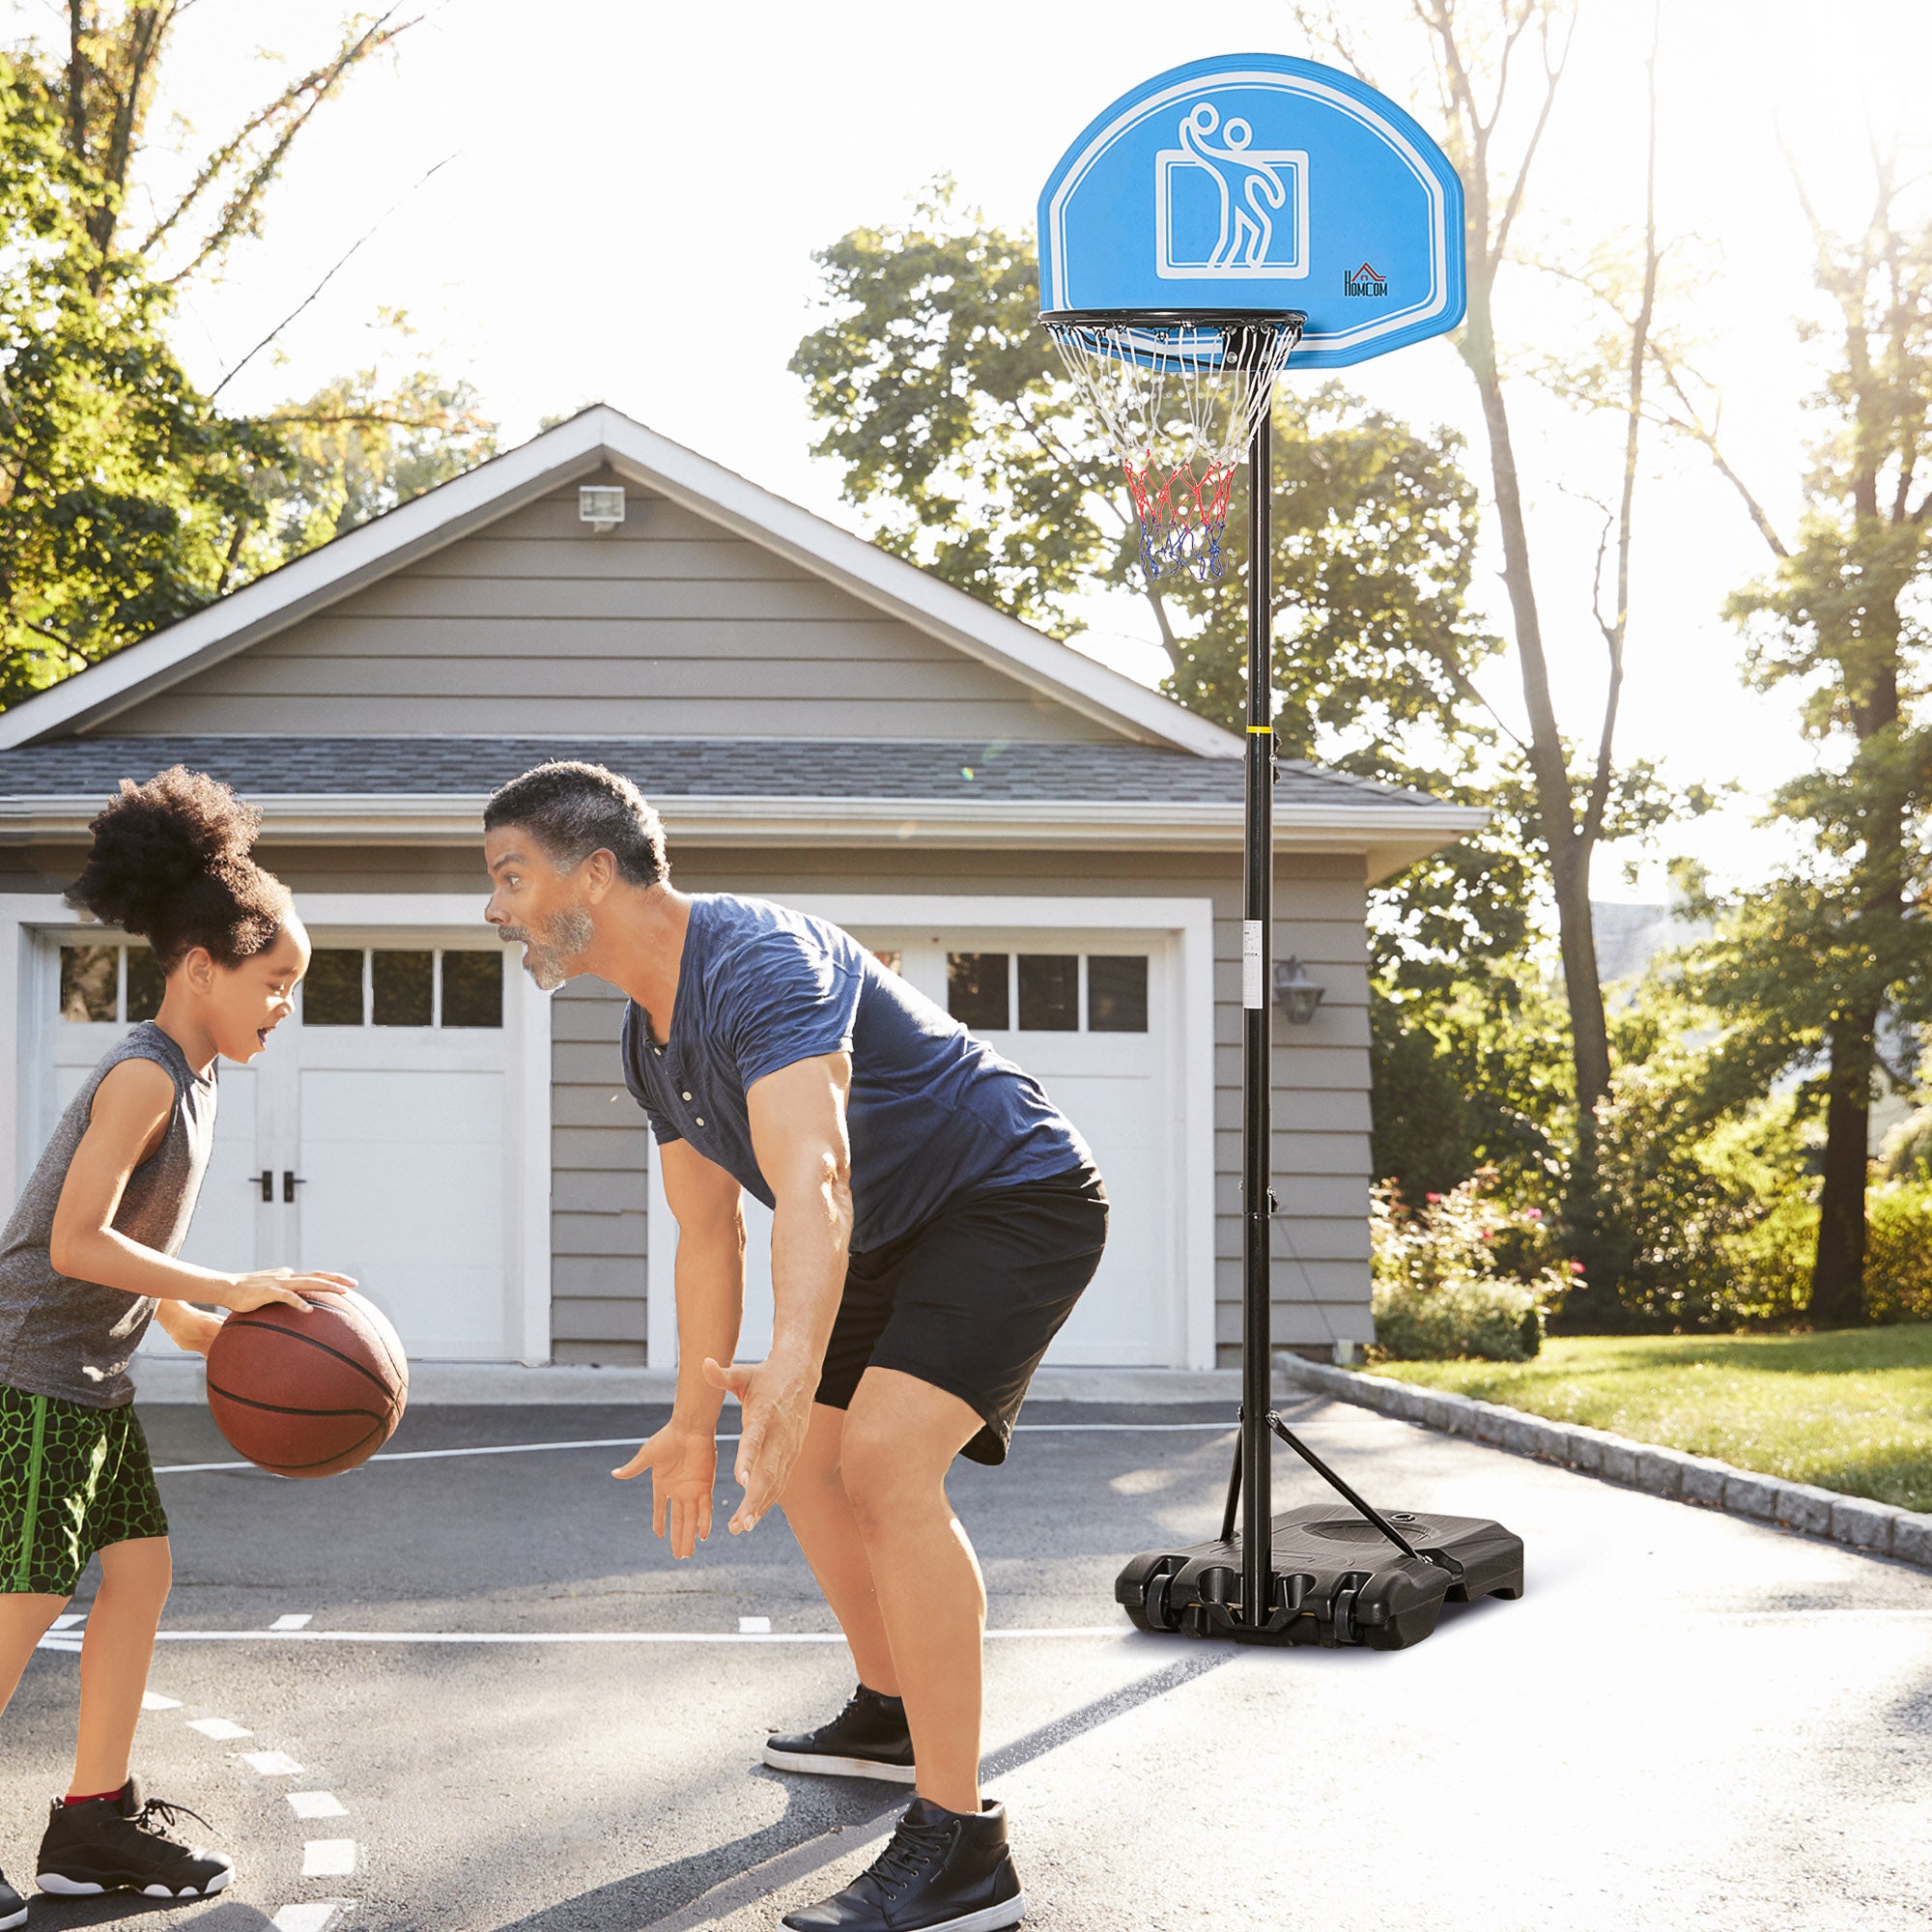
1089 1015
371 1139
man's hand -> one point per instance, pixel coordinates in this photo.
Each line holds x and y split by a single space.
260 1288
683 1462
776 1401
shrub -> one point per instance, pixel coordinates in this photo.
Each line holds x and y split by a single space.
1898 1253
1462 1276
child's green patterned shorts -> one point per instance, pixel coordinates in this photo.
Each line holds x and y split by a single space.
72 1480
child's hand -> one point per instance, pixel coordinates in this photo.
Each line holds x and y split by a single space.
266 1285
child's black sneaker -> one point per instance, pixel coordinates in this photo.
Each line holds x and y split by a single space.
124 1844
943 1872
867 1739
13 1907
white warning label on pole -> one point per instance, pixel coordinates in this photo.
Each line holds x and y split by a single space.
1252 994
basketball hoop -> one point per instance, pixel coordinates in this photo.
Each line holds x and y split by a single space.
1180 396
1164 231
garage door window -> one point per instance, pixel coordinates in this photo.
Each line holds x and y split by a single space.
983 990
109 983
1049 992
403 987
1117 999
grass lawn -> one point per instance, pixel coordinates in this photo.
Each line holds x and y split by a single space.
1850 1409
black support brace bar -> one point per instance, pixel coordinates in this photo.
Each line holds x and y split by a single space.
1341 1489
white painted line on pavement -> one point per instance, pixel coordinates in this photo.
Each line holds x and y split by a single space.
1120 1630
220 1728
315 1804
297 1620
754 1626
271 1764
69 1620
311 1915
329 1857
153 1701
631 1442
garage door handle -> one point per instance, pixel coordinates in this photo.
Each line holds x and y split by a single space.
267 1183
290 1181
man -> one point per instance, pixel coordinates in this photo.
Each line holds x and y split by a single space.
935 1219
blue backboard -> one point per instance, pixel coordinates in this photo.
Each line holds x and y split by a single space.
1259 183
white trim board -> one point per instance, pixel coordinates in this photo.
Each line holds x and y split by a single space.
595 439
25 1013
1189 925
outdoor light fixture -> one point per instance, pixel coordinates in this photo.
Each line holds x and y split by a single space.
1294 992
600 506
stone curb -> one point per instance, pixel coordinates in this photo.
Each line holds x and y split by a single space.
1876 1529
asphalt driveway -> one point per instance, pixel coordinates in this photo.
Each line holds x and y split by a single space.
503 1709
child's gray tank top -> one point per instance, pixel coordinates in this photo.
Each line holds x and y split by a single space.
72 1339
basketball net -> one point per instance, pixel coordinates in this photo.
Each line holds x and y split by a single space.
1179 402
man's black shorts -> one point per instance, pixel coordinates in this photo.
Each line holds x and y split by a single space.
969 1300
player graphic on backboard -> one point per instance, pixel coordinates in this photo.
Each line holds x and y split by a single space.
1228 209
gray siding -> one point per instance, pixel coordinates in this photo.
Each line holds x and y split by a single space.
597 1184
665 625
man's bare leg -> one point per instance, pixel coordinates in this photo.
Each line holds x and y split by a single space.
899 1438
820 1515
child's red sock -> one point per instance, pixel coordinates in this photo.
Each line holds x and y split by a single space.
92 1797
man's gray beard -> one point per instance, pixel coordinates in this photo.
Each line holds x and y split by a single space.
548 956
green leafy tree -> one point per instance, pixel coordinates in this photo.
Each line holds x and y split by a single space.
360 446
123 492
1811 964
127 497
940 396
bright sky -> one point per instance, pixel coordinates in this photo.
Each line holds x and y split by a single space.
637 189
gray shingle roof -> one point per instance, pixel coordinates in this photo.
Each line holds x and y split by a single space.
685 768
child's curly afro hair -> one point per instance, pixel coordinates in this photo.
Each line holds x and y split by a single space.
171 863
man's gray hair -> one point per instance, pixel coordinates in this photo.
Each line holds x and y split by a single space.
573 809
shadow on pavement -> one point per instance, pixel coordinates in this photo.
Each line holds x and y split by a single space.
120 1908
687 1894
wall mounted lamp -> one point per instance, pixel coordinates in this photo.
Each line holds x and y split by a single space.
1294 992
600 506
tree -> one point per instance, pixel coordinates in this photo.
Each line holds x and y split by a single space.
940 396
1815 960
970 452
356 448
123 492
1479 53
127 497
106 82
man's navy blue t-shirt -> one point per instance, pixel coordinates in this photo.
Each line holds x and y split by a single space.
934 1114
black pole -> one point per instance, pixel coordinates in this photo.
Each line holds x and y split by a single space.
1257 1125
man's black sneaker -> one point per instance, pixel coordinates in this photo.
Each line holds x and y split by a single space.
13 1907
867 1739
943 1872
125 1844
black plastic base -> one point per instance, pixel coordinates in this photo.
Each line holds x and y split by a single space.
1337 1580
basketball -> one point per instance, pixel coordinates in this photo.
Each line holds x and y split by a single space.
308 1394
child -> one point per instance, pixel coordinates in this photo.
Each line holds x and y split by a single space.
87 1260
